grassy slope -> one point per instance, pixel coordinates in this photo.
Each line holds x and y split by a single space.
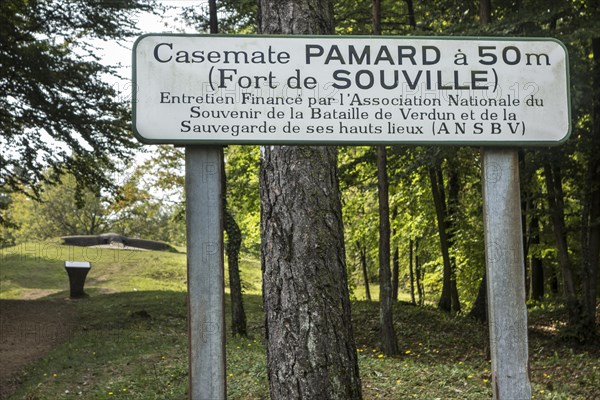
131 338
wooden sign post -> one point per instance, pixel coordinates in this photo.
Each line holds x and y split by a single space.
498 93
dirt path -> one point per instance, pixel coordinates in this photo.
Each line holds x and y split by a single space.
28 330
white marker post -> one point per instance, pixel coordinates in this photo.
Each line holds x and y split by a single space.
317 90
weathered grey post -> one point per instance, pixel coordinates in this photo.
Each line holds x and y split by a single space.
205 272
507 312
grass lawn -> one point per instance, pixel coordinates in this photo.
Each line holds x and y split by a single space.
130 341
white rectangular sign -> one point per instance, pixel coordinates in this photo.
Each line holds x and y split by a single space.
350 90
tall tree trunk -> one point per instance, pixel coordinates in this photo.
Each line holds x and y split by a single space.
412 21
591 221
234 234
213 19
395 261
395 273
479 309
556 204
526 207
234 242
311 353
554 282
537 267
485 11
410 272
445 302
376 17
386 319
419 274
310 343
362 251
453 193
388 334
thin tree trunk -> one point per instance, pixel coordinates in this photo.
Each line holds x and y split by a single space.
412 21
362 251
234 242
410 271
234 234
591 222
395 262
395 273
554 282
479 309
376 17
212 15
445 302
485 11
591 259
556 203
388 334
526 207
419 274
453 193
537 267
311 353
386 319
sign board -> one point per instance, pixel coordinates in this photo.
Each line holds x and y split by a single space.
350 90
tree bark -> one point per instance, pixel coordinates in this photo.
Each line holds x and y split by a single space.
537 267
395 261
411 272
376 17
386 320
554 282
485 11
412 21
362 251
555 192
389 344
419 274
591 220
234 234
395 273
234 242
453 193
213 19
445 302
479 309
526 209
311 353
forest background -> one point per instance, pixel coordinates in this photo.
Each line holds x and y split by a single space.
87 183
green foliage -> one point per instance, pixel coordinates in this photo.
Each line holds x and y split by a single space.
60 211
575 23
234 16
63 209
165 171
359 209
140 210
56 112
68 105
7 225
243 200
